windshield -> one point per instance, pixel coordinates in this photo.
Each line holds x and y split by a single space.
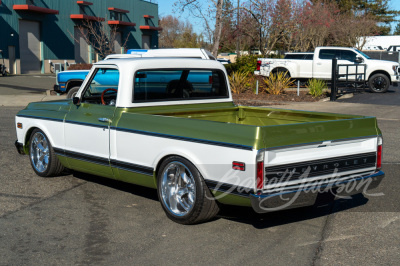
366 56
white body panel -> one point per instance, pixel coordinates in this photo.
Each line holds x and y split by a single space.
322 68
213 162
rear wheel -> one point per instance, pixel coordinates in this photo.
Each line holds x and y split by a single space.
43 159
379 83
183 193
72 92
284 71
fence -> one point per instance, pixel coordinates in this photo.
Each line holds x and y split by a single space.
345 76
384 55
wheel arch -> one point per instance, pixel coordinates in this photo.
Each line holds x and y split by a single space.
281 69
185 155
73 83
28 135
380 72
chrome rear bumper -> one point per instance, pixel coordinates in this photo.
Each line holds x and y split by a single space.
279 200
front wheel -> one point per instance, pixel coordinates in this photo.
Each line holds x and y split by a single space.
72 92
379 83
43 159
183 193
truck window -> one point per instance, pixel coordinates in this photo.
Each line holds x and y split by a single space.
309 57
329 54
294 56
348 55
103 79
173 85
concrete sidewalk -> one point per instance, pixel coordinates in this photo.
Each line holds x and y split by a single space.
24 99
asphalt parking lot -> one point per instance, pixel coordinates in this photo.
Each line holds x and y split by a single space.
83 219
391 97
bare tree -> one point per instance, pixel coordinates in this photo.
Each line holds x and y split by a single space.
178 34
100 36
211 12
275 20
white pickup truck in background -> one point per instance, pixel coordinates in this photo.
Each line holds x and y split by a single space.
379 74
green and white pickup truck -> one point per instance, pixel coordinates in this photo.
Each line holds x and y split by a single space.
170 124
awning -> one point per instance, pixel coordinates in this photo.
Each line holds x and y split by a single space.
35 9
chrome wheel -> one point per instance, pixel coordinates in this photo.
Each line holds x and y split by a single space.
178 188
39 152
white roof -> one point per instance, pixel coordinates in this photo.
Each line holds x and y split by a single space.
128 66
176 52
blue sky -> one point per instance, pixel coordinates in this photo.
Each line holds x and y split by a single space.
165 7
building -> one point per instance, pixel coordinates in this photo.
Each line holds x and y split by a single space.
36 33
377 42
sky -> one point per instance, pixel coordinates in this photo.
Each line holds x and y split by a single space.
165 7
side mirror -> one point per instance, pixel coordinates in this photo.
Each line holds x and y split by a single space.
358 60
76 100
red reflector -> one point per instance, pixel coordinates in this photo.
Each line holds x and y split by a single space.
238 166
258 65
260 175
210 80
379 158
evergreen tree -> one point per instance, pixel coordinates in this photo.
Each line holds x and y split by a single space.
397 29
378 10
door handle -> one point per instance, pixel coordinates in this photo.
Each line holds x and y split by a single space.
104 119
319 64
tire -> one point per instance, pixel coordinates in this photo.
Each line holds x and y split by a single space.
185 198
72 92
42 156
379 83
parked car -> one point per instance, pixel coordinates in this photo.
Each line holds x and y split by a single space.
380 74
69 81
171 124
224 61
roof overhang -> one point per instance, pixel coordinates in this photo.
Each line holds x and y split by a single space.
121 23
85 3
146 27
35 9
118 10
85 17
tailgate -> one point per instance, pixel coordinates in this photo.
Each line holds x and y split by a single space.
311 153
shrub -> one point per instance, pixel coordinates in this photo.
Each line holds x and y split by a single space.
80 67
239 81
316 87
245 63
277 83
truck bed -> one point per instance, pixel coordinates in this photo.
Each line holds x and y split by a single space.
255 127
262 117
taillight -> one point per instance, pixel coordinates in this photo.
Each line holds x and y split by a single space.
260 170
258 65
379 154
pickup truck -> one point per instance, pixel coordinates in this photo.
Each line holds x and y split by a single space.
69 81
379 74
171 124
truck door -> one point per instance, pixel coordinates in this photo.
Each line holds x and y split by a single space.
87 125
322 68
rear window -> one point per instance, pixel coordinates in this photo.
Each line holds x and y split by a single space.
179 84
329 54
299 56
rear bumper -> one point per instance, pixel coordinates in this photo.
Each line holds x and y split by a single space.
263 203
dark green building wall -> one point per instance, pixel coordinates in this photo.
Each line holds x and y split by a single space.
57 31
